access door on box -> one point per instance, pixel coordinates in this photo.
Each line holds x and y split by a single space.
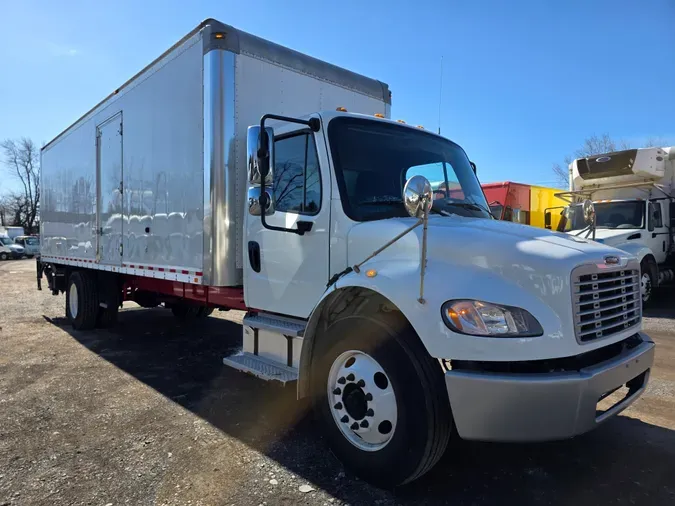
110 191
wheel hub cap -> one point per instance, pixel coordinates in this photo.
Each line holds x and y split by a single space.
72 300
645 286
362 400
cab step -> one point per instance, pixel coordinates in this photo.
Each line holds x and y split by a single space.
277 324
261 367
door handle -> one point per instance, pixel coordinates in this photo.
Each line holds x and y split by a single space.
254 255
304 226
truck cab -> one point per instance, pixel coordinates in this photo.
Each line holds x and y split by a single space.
634 208
373 258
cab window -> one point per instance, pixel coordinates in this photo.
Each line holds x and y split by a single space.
297 181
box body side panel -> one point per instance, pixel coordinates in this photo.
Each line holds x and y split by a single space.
162 198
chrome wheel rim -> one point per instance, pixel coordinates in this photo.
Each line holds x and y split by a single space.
645 287
362 400
72 301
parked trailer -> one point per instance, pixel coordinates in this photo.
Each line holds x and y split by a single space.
402 317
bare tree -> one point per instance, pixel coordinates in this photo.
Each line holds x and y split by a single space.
595 145
21 160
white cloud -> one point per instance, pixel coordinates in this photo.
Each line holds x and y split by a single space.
61 50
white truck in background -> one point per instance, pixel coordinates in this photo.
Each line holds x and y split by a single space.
633 195
209 181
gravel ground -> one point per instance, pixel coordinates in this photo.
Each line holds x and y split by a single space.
147 414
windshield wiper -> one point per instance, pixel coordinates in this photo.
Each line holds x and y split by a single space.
380 202
470 205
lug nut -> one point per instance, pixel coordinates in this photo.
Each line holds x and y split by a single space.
361 383
364 424
351 377
338 405
337 391
344 419
354 426
370 412
342 381
369 397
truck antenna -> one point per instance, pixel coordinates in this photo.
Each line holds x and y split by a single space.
440 97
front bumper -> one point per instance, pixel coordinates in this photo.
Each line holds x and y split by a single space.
545 406
16 255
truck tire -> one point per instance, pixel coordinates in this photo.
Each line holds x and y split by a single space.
381 400
204 312
185 312
4 256
648 277
81 301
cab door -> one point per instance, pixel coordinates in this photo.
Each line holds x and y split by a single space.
285 272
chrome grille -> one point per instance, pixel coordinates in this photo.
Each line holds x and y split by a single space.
605 301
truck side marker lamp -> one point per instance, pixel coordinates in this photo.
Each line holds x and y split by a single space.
371 273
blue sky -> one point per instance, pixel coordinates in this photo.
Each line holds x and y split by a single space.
524 82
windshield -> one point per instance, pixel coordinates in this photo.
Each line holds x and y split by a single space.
373 160
6 241
609 215
31 241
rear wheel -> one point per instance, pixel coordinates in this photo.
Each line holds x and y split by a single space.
185 312
647 281
204 312
381 399
81 301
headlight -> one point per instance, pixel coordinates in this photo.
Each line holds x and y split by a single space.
478 318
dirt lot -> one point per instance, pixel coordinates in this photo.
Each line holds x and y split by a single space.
147 414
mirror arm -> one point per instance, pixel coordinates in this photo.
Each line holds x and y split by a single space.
315 125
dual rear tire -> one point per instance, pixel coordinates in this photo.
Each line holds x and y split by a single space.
83 301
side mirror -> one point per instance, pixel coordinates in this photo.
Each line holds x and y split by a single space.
650 217
260 154
547 220
588 210
418 197
473 166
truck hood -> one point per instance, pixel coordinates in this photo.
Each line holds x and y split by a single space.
489 260
489 244
16 247
612 236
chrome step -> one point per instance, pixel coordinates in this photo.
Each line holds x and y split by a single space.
261 367
279 324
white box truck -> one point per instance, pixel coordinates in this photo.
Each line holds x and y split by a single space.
209 181
632 193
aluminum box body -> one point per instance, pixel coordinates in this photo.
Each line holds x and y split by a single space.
152 180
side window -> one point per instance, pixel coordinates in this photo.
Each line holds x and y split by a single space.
297 181
656 214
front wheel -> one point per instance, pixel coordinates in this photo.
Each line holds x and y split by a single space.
647 282
4 256
381 400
